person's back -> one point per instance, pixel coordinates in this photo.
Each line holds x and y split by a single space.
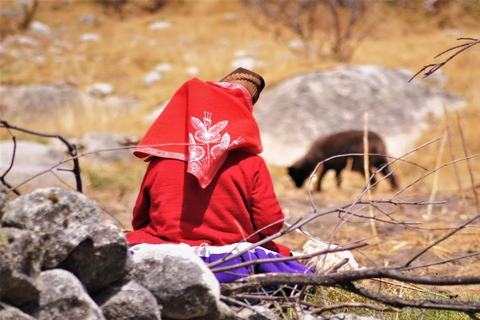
172 207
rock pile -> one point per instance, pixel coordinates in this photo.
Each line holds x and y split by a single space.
58 260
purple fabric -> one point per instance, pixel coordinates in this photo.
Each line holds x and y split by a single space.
256 254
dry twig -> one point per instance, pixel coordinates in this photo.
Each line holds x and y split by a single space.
72 149
431 68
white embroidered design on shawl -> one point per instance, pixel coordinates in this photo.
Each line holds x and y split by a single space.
230 85
208 147
162 154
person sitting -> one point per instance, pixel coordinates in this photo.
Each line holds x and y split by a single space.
206 185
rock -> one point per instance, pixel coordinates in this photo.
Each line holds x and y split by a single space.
192 70
162 67
38 27
40 100
8 312
100 89
28 103
99 260
159 25
62 218
180 281
26 250
89 37
21 41
294 112
128 300
3 198
21 256
296 45
63 297
89 19
244 62
257 313
152 77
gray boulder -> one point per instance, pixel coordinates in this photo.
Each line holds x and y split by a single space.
100 259
41 100
28 103
8 312
63 297
220 312
21 256
127 300
62 218
294 112
257 313
180 281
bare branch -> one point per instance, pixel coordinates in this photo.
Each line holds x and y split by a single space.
431 68
470 171
441 239
344 280
72 149
2 178
454 305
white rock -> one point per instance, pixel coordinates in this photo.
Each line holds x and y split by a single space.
295 44
100 89
39 27
230 17
89 37
152 77
159 25
245 62
163 67
27 41
192 70
241 53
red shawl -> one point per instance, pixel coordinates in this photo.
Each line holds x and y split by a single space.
202 122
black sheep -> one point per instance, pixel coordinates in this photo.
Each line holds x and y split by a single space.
342 143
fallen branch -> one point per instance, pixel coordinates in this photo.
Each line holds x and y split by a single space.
345 281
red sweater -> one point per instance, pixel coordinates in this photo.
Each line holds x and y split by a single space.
172 207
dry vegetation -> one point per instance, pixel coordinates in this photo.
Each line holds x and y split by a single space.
206 35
